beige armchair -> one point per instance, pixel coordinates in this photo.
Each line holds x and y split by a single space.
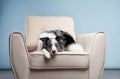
27 63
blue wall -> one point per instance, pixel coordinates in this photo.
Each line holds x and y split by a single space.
89 16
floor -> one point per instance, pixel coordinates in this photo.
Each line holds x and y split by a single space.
108 74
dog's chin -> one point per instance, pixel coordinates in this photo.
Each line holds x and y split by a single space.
53 53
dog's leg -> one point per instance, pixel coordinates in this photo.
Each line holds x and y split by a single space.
46 53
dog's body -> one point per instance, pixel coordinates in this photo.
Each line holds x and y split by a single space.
57 41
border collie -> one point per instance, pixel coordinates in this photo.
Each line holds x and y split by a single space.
54 41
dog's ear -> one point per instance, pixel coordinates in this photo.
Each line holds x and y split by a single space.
60 39
44 39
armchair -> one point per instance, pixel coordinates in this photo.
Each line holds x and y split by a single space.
27 63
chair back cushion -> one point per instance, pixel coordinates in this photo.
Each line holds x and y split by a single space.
37 24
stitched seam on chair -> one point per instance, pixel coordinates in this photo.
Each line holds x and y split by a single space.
11 63
90 56
58 67
27 55
102 68
92 51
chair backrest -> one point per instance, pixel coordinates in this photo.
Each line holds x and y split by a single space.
37 24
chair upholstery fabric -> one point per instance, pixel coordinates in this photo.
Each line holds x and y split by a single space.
26 63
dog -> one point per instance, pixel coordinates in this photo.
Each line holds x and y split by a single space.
54 41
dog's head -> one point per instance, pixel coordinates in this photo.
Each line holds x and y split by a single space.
53 45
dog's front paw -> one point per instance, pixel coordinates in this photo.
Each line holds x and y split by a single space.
46 53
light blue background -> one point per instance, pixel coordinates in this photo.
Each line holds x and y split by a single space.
89 16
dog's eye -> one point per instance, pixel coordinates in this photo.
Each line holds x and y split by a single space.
56 45
59 38
49 45
44 39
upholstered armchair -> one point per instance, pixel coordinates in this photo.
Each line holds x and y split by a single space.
28 63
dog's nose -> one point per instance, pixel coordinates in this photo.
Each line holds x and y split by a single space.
53 51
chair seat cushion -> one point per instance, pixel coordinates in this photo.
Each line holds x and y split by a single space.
63 60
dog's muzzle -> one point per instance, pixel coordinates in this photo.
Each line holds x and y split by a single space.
53 52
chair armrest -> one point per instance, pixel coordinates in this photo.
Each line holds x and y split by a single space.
19 57
95 44
86 40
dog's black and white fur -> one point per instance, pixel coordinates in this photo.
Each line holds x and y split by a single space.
54 41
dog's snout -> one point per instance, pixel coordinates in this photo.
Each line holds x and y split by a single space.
53 51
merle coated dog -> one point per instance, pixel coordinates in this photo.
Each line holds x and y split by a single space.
54 41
